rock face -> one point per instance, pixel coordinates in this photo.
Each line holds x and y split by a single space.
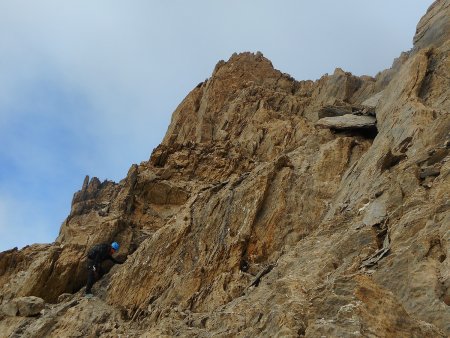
24 306
252 220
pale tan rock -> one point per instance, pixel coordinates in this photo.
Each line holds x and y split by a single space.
347 122
434 28
29 306
10 308
248 221
373 100
23 306
375 213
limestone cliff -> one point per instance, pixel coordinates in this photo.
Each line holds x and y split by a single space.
272 207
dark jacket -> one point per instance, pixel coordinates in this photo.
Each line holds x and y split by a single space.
101 252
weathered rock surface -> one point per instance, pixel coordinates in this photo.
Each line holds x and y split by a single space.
23 306
249 220
348 122
332 111
434 28
29 306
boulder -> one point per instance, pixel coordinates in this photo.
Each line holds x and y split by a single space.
29 306
375 213
23 306
10 309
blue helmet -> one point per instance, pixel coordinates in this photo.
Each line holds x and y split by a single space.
115 246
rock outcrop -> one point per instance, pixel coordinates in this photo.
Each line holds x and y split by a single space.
348 122
24 306
252 219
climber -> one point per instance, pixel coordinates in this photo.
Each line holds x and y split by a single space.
96 255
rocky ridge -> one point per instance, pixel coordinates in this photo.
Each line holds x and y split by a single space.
261 215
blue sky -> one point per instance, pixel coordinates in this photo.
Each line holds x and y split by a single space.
88 87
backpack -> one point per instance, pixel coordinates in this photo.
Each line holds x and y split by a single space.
93 252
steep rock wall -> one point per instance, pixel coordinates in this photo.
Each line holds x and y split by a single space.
249 220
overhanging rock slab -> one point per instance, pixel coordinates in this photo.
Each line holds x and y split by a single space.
348 122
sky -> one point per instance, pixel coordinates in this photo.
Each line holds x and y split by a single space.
89 87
